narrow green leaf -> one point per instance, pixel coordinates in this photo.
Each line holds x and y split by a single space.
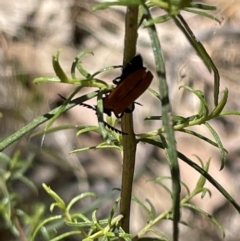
59 201
80 216
113 210
105 69
77 63
200 160
218 109
204 138
155 93
153 210
202 6
204 14
27 182
124 235
203 109
219 143
46 79
159 181
157 20
146 209
207 215
44 222
107 146
79 197
58 69
95 220
229 112
85 224
86 128
176 119
202 180
205 191
186 187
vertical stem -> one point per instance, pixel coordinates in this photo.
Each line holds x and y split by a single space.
170 146
129 141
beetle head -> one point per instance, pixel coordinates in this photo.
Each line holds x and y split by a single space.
133 65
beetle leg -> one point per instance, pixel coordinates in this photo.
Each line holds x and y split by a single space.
128 110
117 80
137 103
88 106
114 129
107 111
119 115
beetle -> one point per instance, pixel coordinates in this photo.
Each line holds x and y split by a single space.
133 81
125 93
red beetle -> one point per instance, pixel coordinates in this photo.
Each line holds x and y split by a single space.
127 92
133 81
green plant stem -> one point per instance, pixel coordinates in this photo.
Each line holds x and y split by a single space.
170 147
40 120
129 141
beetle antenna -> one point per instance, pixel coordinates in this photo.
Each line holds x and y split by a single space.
82 104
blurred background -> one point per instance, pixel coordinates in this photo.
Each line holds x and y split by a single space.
32 30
